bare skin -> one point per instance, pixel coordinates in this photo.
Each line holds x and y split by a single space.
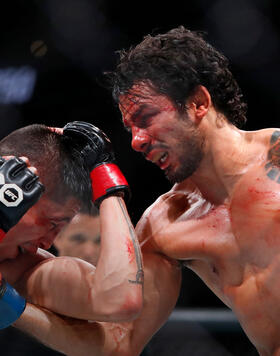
69 285
222 221
229 234
75 337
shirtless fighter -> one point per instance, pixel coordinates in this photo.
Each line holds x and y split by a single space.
29 223
221 218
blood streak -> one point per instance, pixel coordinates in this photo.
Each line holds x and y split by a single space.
130 250
169 108
118 333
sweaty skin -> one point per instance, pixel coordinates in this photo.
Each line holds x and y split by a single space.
222 221
75 337
234 248
223 244
76 288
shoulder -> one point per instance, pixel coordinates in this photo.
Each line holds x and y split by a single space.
158 214
266 171
272 164
260 186
183 202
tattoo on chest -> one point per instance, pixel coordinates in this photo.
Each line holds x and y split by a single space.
272 166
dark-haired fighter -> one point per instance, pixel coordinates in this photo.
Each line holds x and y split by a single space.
181 103
182 106
29 223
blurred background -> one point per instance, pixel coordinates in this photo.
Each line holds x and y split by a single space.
53 54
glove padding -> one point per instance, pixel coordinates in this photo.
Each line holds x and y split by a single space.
20 189
96 148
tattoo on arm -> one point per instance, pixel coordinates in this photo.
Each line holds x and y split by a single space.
139 278
272 166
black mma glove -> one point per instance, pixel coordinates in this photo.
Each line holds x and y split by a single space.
20 189
106 177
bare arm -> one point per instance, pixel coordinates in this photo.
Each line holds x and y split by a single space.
112 291
79 337
67 335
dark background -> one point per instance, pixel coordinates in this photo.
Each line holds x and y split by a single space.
53 54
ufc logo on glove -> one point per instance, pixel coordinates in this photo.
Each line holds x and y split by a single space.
20 189
10 194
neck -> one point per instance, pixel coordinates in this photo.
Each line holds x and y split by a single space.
228 154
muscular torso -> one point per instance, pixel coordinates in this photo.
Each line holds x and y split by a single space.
234 247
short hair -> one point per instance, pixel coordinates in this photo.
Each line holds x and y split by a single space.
174 64
60 165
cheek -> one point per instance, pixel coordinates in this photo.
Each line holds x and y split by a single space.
41 224
31 222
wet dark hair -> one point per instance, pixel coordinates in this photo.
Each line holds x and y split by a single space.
174 64
58 160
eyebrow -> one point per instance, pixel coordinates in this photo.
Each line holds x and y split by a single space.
139 113
134 116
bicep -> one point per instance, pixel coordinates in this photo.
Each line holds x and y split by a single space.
62 284
13 270
161 289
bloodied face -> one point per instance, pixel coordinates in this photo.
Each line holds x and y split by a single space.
38 227
165 136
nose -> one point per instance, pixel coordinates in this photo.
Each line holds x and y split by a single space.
90 253
140 139
46 241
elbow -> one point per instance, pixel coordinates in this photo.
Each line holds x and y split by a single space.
128 308
131 308
121 308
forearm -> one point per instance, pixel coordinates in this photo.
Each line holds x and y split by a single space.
72 337
111 292
119 273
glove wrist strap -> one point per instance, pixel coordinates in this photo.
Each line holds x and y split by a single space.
107 179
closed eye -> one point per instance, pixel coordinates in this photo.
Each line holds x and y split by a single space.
53 225
143 121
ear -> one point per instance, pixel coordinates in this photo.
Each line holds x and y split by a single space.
199 102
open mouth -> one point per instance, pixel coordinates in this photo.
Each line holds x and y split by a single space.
160 159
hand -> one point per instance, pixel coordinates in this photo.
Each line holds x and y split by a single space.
96 148
20 189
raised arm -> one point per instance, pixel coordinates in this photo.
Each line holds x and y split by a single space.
76 337
112 291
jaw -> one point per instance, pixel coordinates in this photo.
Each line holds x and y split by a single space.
9 252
